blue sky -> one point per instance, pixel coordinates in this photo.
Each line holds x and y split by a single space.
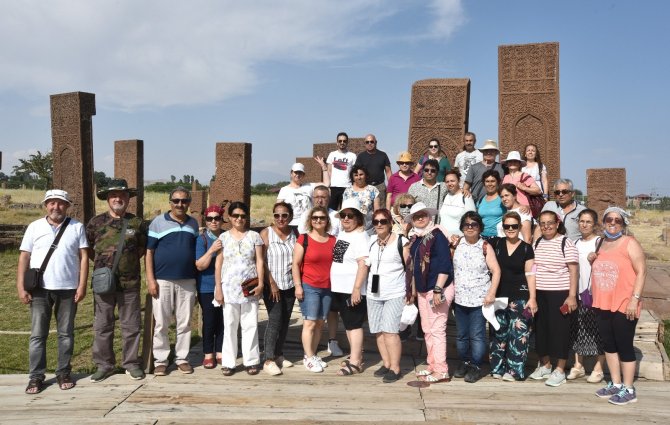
286 74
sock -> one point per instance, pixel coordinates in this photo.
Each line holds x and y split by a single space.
617 385
631 390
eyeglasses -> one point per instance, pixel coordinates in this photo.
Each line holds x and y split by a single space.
347 216
514 226
342 140
383 222
278 216
613 220
471 225
406 205
433 146
370 142
547 223
319 218
430 170
240 216
213 218
562 192
178 201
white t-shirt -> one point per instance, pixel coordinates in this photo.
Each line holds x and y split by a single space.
536 175
452 210
335 226
342 163
300 199
464 160
387 263
585 248
62 272
350 246
524 217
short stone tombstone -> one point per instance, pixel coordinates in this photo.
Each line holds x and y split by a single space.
313 172
356 145
605 187
3 185
129 165
198 205
233 175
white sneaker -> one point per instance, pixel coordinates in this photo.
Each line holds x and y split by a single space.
595 377
321 362
557 378
508 377
334 348
576 372
312 364
282 362
272 369
541 373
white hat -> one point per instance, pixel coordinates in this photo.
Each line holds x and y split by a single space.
298 167
514 156
408 317
419 206
57 194
490 144
350 204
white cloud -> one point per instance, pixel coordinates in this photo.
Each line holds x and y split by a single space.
147 54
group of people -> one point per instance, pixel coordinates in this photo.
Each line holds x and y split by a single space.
356 247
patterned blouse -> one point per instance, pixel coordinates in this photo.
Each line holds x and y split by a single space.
366 201
471 274
239 264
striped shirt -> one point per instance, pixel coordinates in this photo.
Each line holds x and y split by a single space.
280 258
552 267
173 244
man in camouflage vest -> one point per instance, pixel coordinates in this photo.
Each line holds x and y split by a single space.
103 234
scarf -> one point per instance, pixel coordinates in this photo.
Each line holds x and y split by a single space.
425 238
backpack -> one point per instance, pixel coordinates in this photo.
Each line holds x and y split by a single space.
399 247
565 239
535 202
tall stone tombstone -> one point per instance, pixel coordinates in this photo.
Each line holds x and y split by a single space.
528 102
129 165
313 172
233 174
605 187
72 147
439 108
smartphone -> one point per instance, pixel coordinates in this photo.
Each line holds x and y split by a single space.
375 284
527 313
442 299
348 302
564 309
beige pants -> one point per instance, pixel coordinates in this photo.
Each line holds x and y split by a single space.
178 296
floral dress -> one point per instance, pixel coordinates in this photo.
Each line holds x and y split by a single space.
239 264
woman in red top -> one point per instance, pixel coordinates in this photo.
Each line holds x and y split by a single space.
617 278
312 258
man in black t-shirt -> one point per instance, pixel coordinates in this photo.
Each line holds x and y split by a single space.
377 164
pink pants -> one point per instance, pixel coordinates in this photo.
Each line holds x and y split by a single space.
434 325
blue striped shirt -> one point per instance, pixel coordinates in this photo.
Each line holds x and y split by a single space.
173 244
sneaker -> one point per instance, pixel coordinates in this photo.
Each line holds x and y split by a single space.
391 377
101 374
608 391
135 374
282 362
624 396
334 348
160 370
541 373
271 368
576 372
473 374
496 376
321 362
185 368
507 377
557 378
381 372
312 364
461 370
595 377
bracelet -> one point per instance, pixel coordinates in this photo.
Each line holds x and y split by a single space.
636 296
437 290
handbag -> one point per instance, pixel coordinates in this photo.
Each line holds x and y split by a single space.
103 279
535 202
585 296
32 278
249 285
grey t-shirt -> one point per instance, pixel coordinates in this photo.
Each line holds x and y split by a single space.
474 178
570 220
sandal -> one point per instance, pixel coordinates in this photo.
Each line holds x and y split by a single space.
349 368
436 377
209 363
65 382
35 386
424 372
227 371
253 370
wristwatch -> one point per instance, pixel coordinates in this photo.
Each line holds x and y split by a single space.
637 296
437 290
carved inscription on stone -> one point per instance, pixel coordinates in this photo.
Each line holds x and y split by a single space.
129 165
233 174
605 187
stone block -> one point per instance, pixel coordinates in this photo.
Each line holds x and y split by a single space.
198 205
313 172
233 174
440 109
129 165
72 147
528 102
356 145
605 187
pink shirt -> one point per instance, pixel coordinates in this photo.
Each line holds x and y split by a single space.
526 180
398 185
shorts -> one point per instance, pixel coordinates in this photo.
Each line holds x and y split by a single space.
352 317
315 304
384 315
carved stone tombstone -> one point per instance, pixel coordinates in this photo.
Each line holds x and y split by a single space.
129 165
72 147
312 171
233 174
440 109
528 102
605 187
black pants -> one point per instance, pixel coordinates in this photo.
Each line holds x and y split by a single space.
212 324
551 326
279 317
617 333
336 197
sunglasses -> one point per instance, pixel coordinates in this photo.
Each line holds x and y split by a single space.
178 201
213 218
383 222
562 192
349 216
430 170
240 216
406 205
342 141
419 216
370 142
319 218
433 146
514 226
278 216
471 225
613 220
403 163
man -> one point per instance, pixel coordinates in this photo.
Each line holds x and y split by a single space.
103 234
400 182
566 208
62 287
321 198
378 165
428 190
339 164
170 269
468 156
473 185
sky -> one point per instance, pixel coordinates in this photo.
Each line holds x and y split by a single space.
283 75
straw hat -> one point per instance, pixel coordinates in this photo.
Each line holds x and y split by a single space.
490 144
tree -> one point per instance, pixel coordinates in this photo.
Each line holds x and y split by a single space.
40 165
101 179
173 178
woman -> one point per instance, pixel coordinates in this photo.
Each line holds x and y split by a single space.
557 264
509 344
312 259
619 271
403 203
522 181
386 295
435 152
241 260
535 168
490 207
431 278
585 336
476 278
348 276
455 204
508 195
299 194
207 246
279 295
365 195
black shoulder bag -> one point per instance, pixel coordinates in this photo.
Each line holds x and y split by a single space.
32 278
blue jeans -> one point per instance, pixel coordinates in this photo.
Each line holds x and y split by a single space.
315 304
470 334
46 301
